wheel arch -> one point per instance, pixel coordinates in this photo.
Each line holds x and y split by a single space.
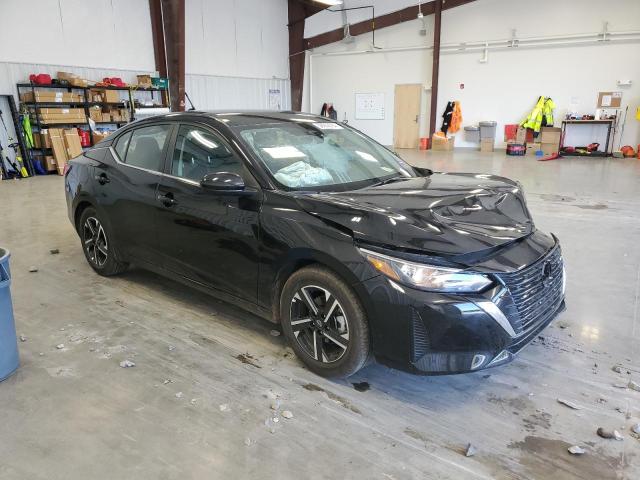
302 258
83 204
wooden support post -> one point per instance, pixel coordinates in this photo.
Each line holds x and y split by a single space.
436 67
297 15
172 12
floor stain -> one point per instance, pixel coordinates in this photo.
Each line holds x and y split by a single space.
553 197
546 458
415 434
361 386
332 396
537 419
247 359
597 206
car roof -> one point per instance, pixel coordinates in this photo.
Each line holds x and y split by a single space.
244 118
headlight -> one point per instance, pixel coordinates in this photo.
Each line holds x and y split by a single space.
427 277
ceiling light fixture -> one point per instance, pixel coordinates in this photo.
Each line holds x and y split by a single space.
330 3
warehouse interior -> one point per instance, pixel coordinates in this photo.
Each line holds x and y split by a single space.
139 376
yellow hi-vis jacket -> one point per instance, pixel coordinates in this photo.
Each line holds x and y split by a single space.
542 110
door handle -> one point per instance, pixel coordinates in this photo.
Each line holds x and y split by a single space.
102 179
167 199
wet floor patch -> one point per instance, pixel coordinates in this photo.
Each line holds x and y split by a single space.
332 396
247 359
361 386
546 458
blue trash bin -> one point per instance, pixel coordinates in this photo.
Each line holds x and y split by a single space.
8 342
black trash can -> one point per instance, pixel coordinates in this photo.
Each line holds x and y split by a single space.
8 342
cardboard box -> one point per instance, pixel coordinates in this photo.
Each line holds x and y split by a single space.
41 140
95 113
106 117
442 143
549 148
521 135
72 143
99 136
105 95
532 148
550 135
51 97
144 81
65 111
609 99
59 148
486 144
124 114
49 163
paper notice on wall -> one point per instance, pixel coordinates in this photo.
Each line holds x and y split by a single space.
606 101
275 99
369 106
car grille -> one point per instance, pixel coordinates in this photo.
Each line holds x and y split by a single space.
536 292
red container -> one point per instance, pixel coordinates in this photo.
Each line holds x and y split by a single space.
85 139
40 79
510 132
424 143
114 81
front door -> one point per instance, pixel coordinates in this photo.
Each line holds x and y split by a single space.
208 236
406 119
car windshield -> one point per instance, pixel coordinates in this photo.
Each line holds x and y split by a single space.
322 156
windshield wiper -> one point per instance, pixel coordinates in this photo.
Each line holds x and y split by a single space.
390 180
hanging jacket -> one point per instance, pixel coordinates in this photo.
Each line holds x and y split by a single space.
456 118
446 117
547 113
28 133
534 119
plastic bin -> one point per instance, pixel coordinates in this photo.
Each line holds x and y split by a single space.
472 133
488 129
9 360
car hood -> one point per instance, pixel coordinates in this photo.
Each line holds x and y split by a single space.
446 214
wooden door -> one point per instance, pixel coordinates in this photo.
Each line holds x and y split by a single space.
406 118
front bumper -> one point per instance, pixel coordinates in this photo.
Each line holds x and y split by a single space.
437 333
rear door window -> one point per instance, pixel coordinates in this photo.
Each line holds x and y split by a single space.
146 147
121 146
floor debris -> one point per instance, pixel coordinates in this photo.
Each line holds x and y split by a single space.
634 386
609 434
247 442
224 407
179 395
247 359
617 368
54 251
166 381
193 401
636 428
361 386
33 269
470 451
23 338
275 333
569 404
60 346
171 348
576 450
275 405
127 364
287 414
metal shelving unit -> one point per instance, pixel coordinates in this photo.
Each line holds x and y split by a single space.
34 106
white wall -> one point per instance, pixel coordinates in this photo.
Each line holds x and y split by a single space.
97 33
506 87
236 51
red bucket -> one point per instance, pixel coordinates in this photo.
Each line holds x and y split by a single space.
424 143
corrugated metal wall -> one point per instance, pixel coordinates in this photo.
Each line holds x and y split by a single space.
208 92
12 73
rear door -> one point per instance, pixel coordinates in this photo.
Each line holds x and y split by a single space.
208 236
127 188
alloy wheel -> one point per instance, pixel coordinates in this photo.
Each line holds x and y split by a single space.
95 241
319 324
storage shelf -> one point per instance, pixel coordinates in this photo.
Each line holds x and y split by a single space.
53 104
125 89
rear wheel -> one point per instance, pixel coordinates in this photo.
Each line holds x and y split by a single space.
324 322
98 249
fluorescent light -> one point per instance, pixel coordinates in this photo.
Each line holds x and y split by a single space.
331 3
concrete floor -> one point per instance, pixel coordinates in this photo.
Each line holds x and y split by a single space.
74 413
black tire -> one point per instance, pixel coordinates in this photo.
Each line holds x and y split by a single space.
97 245
341 345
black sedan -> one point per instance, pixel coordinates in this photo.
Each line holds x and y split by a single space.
316 227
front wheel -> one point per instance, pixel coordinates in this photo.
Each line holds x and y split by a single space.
98 248
324 322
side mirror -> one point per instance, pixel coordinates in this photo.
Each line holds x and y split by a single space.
223 182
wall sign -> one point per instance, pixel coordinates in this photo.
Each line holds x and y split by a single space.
369 106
